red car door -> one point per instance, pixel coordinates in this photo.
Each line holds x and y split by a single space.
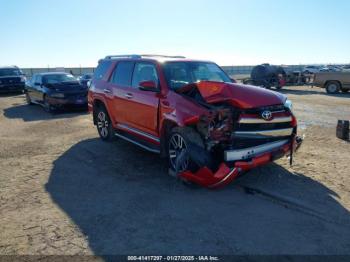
115 90
139 109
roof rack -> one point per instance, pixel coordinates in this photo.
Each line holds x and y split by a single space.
165 56
140 56
122 56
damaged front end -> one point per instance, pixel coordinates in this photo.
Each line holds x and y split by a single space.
236 138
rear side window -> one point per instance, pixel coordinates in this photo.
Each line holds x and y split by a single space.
144 72
101 69
122 74
37 79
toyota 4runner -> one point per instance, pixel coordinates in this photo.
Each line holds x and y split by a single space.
208 127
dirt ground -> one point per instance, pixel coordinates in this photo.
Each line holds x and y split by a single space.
63 191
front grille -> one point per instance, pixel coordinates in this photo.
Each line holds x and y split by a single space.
75 95
281 121
259 110
10 80
267 126
240 143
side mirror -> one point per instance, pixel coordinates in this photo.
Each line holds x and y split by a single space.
148 86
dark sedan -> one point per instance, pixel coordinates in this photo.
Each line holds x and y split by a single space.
11 79
56 91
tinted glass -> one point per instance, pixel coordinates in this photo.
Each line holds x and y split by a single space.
10 72
58 78
122 74
144 72
38 79
101 69
179 74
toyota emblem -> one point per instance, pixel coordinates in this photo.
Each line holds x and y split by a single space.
267 115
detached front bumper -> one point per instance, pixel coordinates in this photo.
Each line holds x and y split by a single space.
225 174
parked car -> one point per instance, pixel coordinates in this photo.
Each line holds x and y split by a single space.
12 79
311 69
333 82
209 128
84 79
56 90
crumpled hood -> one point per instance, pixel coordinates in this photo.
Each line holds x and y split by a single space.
238 95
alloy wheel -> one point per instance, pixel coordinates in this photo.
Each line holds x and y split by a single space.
102 124
177 153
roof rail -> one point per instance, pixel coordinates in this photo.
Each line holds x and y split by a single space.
122 56
140 56
165 56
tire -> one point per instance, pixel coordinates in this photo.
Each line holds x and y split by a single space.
28 99
104 124
178 141
333 87
47 106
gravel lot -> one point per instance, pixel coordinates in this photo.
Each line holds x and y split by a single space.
63 191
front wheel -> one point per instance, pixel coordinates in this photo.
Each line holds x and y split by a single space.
28 99
179 141
47 106
104 125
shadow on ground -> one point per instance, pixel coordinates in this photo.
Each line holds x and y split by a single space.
123 201
37 113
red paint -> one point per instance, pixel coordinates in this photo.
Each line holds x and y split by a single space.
242 96
206 178
147 111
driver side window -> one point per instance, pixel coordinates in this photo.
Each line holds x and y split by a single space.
144 72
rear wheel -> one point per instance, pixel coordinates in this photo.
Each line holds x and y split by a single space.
28 99
332 87
104 124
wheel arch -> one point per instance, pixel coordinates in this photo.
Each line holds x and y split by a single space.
167 126
329 81
97 103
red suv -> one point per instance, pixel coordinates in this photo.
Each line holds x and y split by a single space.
208 127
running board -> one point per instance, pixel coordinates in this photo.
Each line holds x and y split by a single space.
133 140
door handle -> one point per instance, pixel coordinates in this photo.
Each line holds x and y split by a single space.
107 91
128 95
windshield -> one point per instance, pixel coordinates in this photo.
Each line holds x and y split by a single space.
10 72
179 74
58 78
